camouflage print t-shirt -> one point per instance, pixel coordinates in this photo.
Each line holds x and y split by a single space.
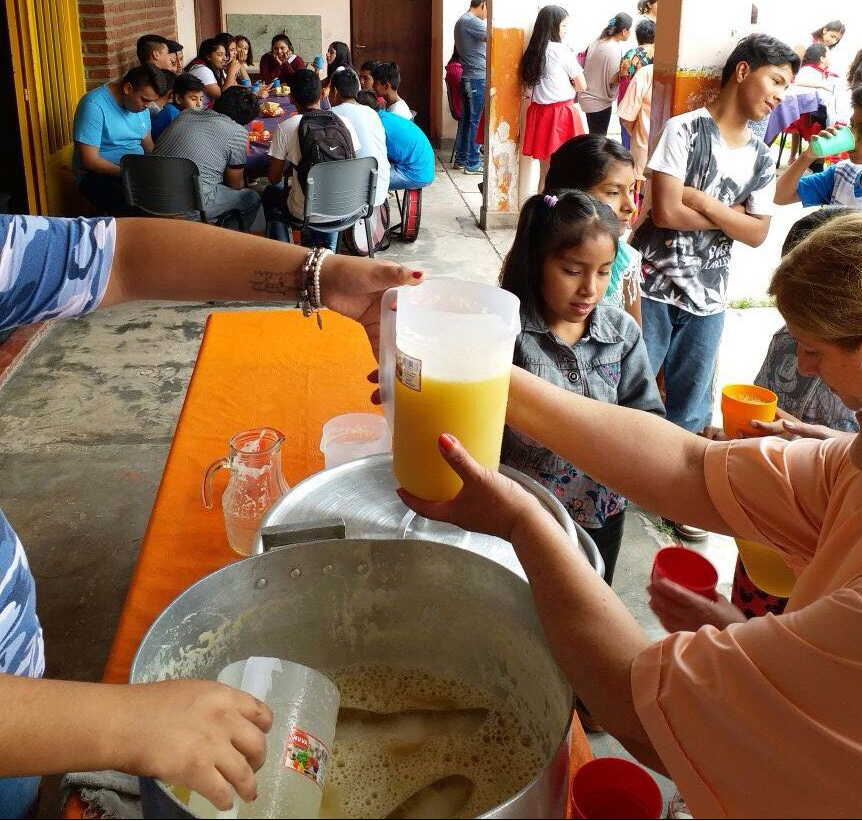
689 269
48 268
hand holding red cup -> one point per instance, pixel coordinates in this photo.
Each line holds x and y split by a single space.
687 568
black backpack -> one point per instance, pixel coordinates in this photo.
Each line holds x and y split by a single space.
323 137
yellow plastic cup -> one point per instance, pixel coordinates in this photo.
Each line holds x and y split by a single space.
742 403
766 568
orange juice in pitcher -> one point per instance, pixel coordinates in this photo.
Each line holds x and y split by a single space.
445 360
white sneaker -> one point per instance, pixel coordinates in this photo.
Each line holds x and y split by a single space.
690 532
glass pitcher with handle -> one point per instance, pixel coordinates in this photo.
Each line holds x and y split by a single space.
256 483
445 360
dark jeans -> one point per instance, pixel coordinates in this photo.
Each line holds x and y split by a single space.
273 207
687 346
472 99
105 193
608 539
598 121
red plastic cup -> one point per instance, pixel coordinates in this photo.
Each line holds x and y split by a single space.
687 568
257 126
615 788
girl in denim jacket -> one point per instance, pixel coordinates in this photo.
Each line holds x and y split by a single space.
559 267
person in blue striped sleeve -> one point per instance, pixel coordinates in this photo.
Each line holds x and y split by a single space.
201 734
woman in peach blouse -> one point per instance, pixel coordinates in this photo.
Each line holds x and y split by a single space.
762 718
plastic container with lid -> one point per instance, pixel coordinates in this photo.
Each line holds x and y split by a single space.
305 704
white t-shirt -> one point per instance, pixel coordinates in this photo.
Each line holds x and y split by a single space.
207 77
561 67
689 269
400 108
371 135
285 146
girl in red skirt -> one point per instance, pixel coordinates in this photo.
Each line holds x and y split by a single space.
551 74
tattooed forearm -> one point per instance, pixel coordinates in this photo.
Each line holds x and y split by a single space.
274 282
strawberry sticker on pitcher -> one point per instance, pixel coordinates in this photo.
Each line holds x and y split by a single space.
307 755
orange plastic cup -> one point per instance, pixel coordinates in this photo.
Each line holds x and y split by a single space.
257 126
742 403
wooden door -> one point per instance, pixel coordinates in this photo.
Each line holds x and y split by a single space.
207 24
46 101
399 31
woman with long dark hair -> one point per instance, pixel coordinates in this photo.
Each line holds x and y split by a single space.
280 61
337 58
551 74
602 72
209 68
830 34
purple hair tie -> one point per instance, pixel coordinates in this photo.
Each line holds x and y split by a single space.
550 200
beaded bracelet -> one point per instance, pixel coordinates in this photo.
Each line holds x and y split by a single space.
309 294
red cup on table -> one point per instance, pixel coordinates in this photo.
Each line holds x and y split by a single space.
687 568
257 126
615 788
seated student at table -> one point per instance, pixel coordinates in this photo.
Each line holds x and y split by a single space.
839 184
411 158
110 122
280 61
200 734
369 129
158 106
175 52
285 152
209 68
366 75
216 140
387 78
153 49
188 92
244 53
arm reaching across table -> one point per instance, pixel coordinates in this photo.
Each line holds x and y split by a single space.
228 265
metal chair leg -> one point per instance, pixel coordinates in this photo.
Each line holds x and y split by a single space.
781 145
368 237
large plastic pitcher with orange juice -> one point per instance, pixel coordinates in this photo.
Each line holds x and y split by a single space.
445 359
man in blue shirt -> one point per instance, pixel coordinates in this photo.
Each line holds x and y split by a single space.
411 158
195 733
470 40
110 122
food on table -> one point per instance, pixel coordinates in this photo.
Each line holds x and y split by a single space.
271 109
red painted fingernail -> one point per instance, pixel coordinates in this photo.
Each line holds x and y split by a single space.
446 441
417 275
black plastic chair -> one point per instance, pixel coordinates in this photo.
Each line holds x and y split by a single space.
338 194
166 187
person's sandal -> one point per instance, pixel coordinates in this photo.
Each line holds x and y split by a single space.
589 724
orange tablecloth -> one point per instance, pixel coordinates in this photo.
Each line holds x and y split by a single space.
254 368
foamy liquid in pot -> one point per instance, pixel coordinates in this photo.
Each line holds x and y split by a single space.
409 743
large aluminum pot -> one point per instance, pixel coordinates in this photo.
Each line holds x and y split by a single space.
406 603
362 495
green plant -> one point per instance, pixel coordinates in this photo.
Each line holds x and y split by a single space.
752 302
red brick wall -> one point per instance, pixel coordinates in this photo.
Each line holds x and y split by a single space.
110 29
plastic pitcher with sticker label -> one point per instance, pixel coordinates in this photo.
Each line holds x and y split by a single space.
445 359
304 704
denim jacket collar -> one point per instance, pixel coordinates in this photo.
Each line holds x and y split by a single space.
601 328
